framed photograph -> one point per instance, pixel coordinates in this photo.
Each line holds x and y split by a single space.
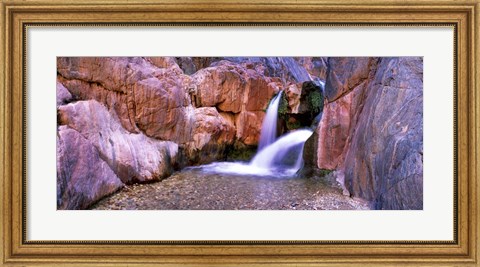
287 133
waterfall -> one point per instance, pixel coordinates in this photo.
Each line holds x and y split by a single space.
269 125
285 152
275 157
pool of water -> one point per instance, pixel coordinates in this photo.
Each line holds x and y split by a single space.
210 187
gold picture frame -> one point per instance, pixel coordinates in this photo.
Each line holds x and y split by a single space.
463 15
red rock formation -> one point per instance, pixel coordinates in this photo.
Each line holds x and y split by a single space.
211 134
239 90
316 66
140 111
145 98
345 74
154 97
337 126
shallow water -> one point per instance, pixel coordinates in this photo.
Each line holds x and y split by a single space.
204 189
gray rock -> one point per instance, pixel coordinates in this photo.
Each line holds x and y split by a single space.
384 162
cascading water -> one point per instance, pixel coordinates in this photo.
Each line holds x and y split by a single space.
269 125
285 152
281 157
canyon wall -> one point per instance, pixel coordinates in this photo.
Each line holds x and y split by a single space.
372 129
126 120
137 119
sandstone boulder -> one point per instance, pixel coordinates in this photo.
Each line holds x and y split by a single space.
249 125
212 133
132 157
83 177
160 109
222 86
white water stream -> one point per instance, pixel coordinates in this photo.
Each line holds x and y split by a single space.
275 157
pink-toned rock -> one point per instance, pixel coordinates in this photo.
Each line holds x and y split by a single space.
132 157
337 126
259 92
212 133
293 94
240 90
211 127
164 63
63 95
83 177
232 88
115 74
249 125
146 97
160 109
222 86
384 163
316 66
83 90
346 73
372 129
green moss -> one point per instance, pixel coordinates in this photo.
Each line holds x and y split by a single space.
324 172
315 102
293 125
283 106
241 154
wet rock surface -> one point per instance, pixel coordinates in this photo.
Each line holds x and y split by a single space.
193 189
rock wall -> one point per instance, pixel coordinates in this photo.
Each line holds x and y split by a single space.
372 129
125 120
142 117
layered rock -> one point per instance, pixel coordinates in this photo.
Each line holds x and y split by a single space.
372 129
154 97
137 115
145 97
389 137
238 90
143 117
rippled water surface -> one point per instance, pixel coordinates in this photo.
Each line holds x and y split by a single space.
201 188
